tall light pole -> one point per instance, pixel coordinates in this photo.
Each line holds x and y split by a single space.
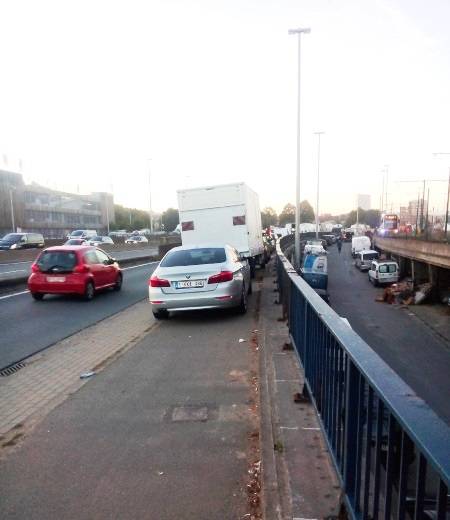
318 181
150 213
299 33
448 192
12 210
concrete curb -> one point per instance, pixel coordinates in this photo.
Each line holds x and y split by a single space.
22 279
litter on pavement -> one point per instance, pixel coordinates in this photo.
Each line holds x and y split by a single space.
86 375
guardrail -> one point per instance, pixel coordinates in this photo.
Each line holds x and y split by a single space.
390 450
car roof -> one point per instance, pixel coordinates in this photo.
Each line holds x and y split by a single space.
365 251
69 248
200 246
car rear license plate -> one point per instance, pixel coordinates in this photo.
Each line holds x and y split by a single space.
56 278
189 284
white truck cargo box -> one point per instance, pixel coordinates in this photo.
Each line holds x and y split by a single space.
227 214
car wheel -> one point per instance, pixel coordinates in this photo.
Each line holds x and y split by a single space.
242 308
118 284
89 291
37 295
161 315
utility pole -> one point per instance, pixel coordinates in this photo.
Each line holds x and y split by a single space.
318 181
448 193
12 210
150 213
299 33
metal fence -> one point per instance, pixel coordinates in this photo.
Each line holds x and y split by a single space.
391 452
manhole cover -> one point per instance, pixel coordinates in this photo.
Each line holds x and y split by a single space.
190 413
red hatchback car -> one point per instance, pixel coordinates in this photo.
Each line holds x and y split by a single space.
73 270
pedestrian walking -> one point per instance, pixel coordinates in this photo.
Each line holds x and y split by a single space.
339 244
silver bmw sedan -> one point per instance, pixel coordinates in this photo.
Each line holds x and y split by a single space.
200 277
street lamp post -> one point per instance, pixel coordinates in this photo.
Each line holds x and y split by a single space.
318 181
299 33
150 213
12 210
448 192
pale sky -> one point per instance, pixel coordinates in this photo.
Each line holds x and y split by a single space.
91 90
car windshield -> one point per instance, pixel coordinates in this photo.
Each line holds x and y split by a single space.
199 256
74 242
76 233
98 239
370 256
11 237
57 261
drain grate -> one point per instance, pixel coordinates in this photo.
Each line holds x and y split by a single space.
11 369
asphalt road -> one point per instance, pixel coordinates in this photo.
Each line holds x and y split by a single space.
160 434
420 358
21 268
28 326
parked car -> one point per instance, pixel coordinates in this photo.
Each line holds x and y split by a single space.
364 259
200 277
21 241
136 239
76 242
315 247
82 233
99 241
383 271
73 270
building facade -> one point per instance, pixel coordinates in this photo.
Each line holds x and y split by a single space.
31 207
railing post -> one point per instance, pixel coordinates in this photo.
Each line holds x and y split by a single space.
351 430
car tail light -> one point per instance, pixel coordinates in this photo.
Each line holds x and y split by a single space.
158 282
81 268
35 268
224 276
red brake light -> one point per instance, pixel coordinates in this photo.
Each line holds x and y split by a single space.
81 268
158 282
224 276
35 268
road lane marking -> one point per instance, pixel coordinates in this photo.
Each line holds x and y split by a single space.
140 265
25 292
16 271
14 294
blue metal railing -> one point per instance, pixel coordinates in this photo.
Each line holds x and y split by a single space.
391 452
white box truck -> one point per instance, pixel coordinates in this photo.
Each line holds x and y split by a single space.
228 214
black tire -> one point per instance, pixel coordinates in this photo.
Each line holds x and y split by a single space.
118 284
250 290
37 296
242 308
89 291
161 315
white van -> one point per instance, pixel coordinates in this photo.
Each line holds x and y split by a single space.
383 271
365 258
359 244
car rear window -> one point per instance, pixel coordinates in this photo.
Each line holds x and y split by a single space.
388 268
370 256
57 261
199 256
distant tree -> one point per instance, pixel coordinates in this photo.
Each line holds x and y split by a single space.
129 218
269 217
287 215
170 219
306 212
370 217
